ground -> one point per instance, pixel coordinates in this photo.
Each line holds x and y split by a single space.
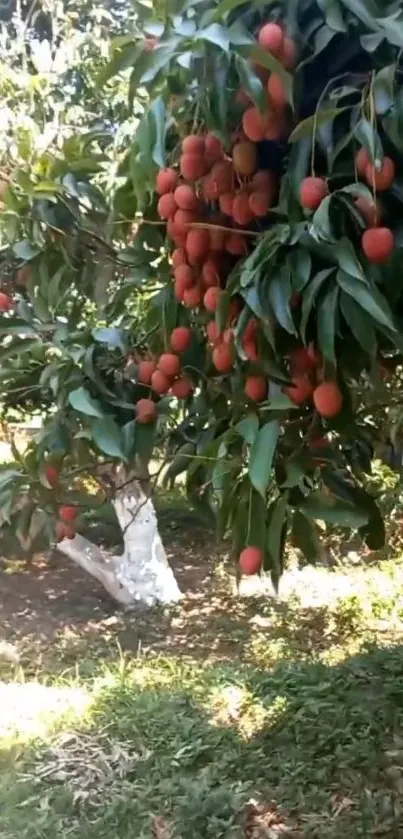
245 717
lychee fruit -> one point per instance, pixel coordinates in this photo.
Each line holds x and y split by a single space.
51 474
300 390
259 204
236 245
181 339
328 399
166 181
192 167
369 210
68 513
251 560
6 302
222 175
210 275
160 383
226 202
192 297
277 92
213 148
211 298
241 211
378 244
271 38
289 55
182 388
193 144
256 388
169 364
145 370
223 357
197 244
313 191
167 206
146 411
362 160
383 177
183 219
186 197
184 276
64 531
255 124
244 158
179 257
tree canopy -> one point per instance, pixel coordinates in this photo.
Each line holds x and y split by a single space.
200 245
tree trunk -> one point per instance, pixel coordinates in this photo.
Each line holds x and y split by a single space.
142 573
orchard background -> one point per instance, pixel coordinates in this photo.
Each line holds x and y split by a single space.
201 378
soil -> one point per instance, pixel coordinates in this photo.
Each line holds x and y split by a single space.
44 594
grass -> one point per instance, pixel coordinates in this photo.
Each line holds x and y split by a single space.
243 718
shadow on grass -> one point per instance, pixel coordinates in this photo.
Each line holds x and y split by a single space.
225 751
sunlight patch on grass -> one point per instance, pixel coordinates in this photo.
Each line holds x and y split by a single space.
30 709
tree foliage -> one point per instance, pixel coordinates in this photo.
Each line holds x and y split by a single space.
306 302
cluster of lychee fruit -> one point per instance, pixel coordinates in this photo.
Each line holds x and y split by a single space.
305 364
377 242
269 124
165 375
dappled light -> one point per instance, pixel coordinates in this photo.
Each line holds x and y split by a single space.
31 709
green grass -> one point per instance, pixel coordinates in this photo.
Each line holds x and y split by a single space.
290 724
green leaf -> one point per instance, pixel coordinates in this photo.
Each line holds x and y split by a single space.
25 250
261 457
248 428
265 58
383 89
279 293
275 540
121 59
251 83
111 336
278 403
370 299
348 261
83 402
365 10
311 292
8 476
226 6
180 462
158 112
307 128
373 533
145 438
305 537
368 136
301 265
221 315
159 59
326 323
332 510
108 437
332 14
321 226
359 323
215 34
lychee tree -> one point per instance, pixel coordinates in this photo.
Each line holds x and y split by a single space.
253 315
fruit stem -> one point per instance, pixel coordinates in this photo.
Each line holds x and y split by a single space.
207 226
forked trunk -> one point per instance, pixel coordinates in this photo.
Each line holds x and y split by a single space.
142 573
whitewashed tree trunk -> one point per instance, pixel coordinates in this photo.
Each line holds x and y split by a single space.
142 574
